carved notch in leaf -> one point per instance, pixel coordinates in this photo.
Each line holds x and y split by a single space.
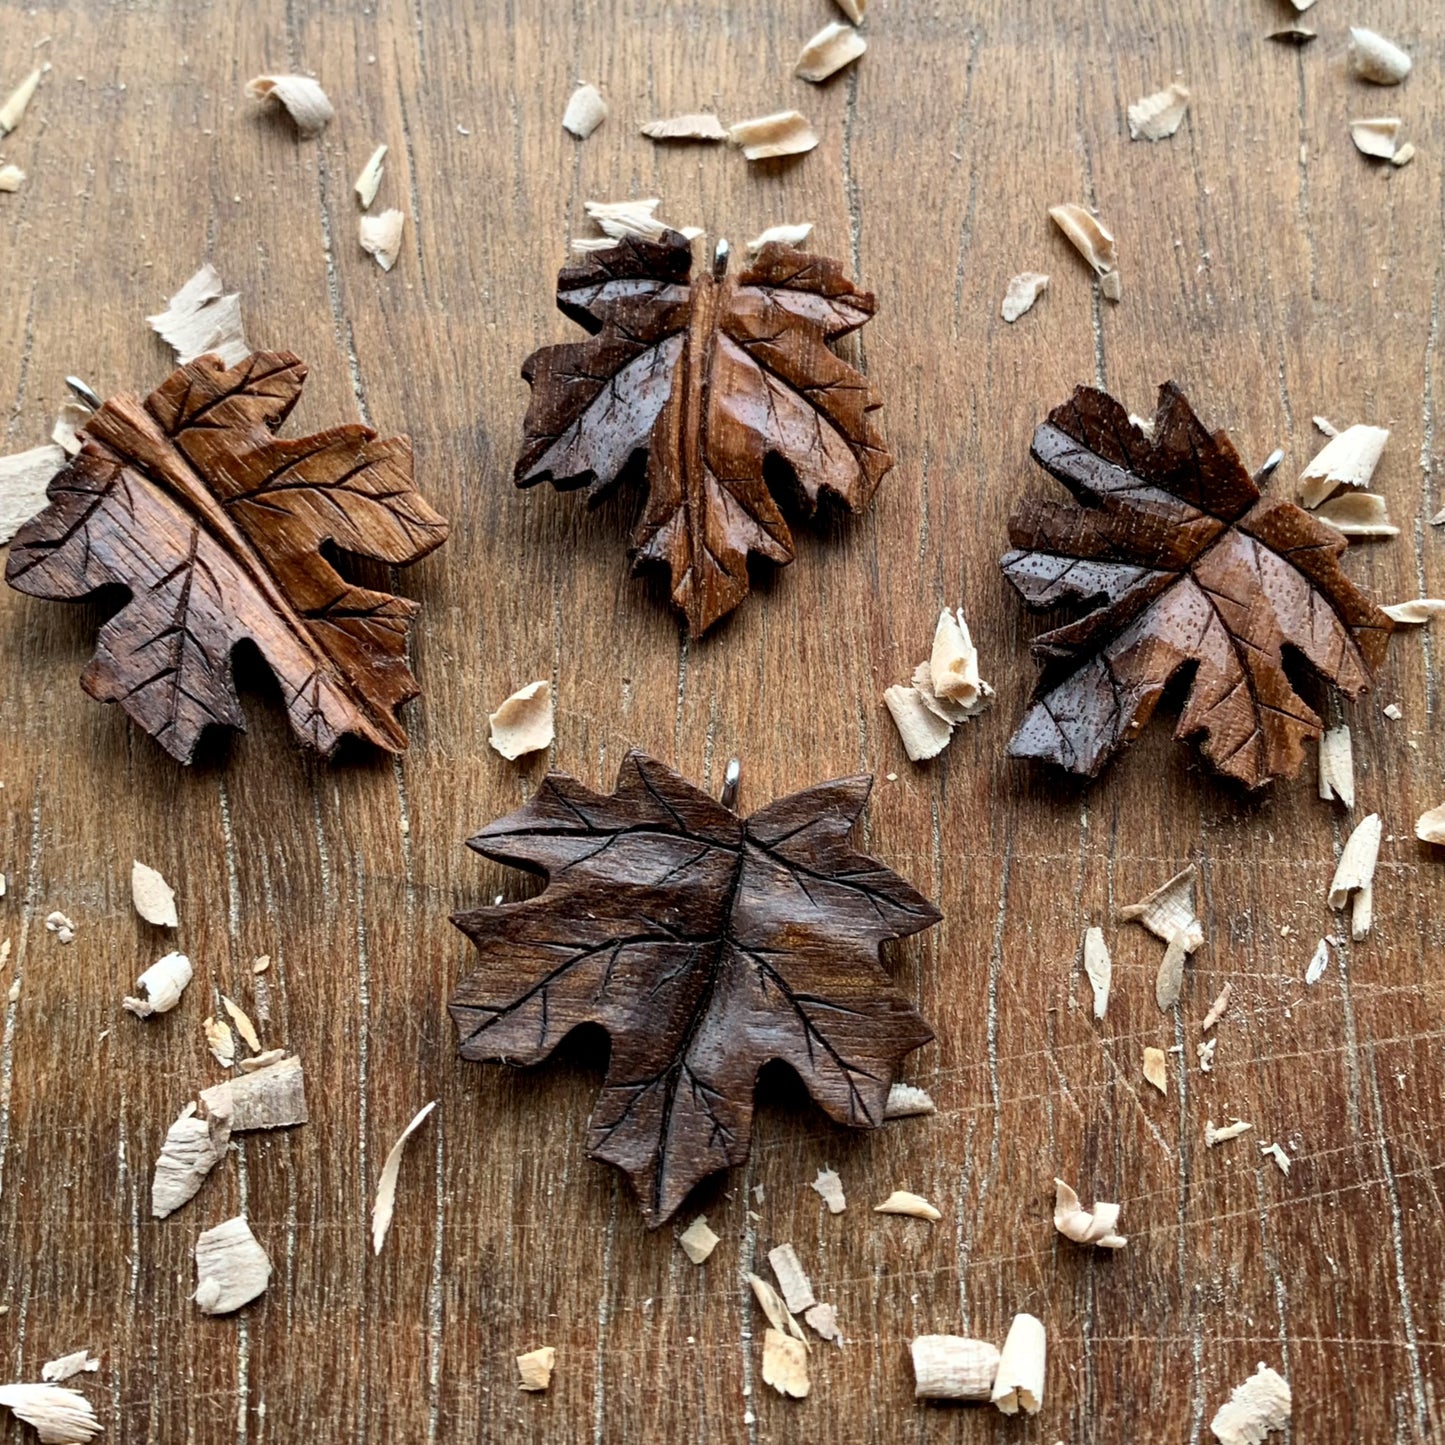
215 526
1186 567
706 945
713 376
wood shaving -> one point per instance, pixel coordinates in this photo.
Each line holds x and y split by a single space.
1086 1226
78 1362
161 986
385 1205
273 1097
220 1041
1279 1157
1213 1136
773 1307
953 663
193 1147
62 927
785 1364
698 126
1376 59
380 236
303 99
1205 1051
231 1267
923 732
524 722
261 964
1358 514
905 1101
1019 1382
1429 826
830 1188
201 318
902 1202
1337 765
1376 137
369 181
797 1288
1404 155
855 10
11 178
586 110
1348 459
60 1416
261 1061
833 47
785 133
534 1369
1325 426
951 1367
783 235
17 101
1094 241
1260 1405
1319 961
1023 290
1155 1070
1099 968
1158 116
243 1024
1355 874
68 421
154 898
823 1320
697 1240
24 477
1417 612
1169 910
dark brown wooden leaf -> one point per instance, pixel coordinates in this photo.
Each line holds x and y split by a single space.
1187 567
705 945
712 376
215 527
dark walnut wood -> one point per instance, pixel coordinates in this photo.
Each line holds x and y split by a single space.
215 527
713 376
1188 567
706 945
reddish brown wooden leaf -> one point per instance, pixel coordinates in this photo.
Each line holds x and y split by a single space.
705 945
1187 567
215 527
713 376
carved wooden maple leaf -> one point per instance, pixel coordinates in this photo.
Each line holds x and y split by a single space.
715 377
215 527
1189 568
705 945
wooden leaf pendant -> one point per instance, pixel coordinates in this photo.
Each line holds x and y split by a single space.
215 527
1185 568
718 379
705 944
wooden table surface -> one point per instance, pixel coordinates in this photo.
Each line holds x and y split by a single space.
1269 268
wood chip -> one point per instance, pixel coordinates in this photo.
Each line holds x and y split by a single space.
380 236
1404 154
268 1098
220 1041
78 1362
1169 981
17 101
1093 240
951 1367
697 1240
154 898
1259 1406
193 1147
1376 137
586 110
24 477
231 1267
62 927
534 1369
1019 1383
923 732
785 133
1213 1136
369 181
382 1210
783 235
1358 514
697 126
1292 35
524 722
785 1364
855 10
1278 1155
1023 290
1337 765
1204 1049
1430 826
1155 1070
833 47
60 1416
303 99
771 1303
1376 59
68 422
1098 1226
1319 961
823 1320
1355 874
261 964
1392 710
202 318
11 178
797 1288
1099 968
161 986
1348 459
243 1024
261 1061
1169 909
830 1188
1416 613
905 1101
902 1202
1158 116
